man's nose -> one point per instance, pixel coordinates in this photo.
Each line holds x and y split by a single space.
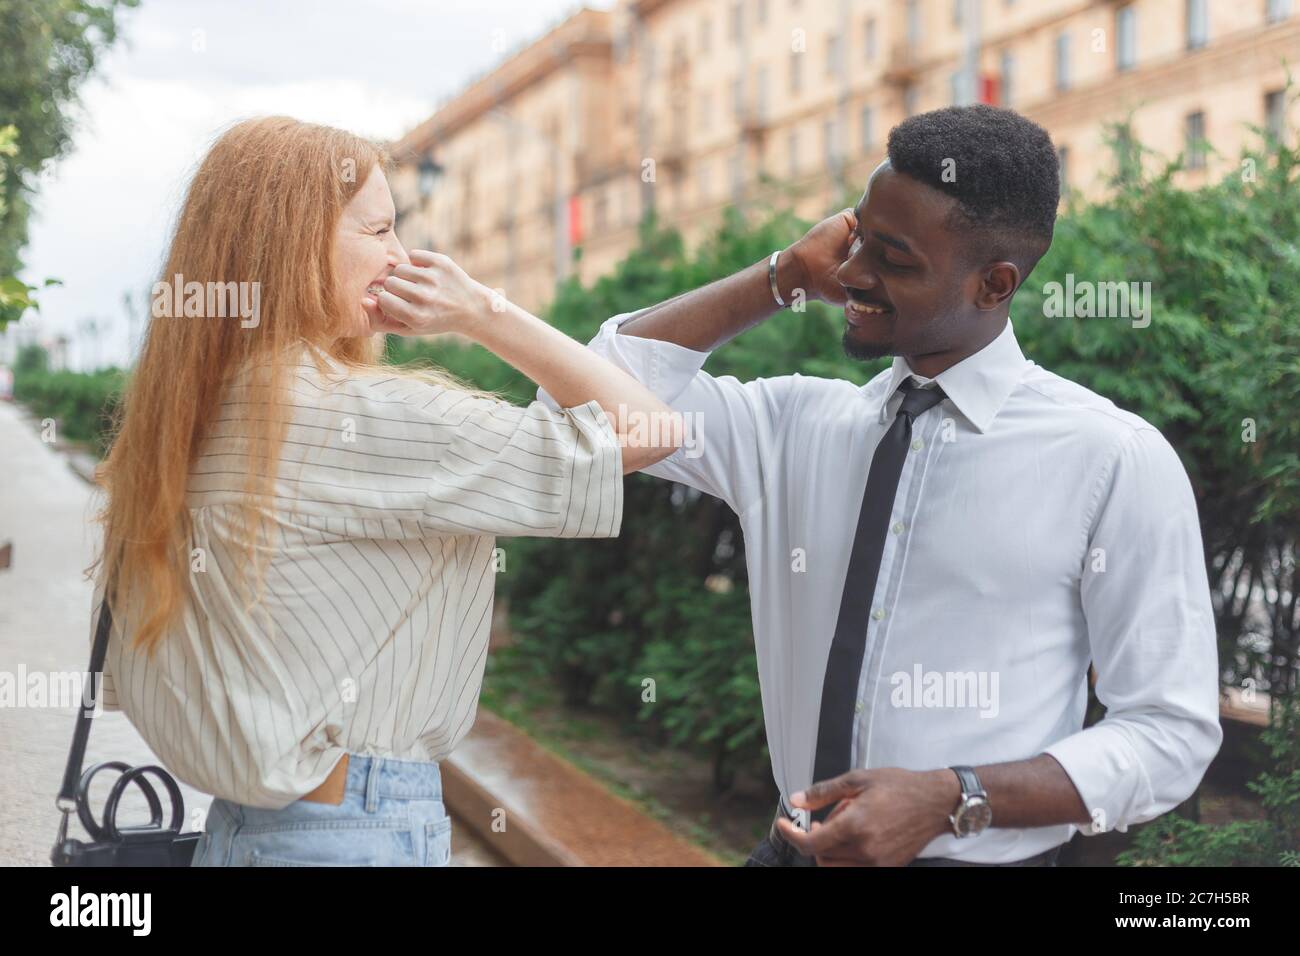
849 275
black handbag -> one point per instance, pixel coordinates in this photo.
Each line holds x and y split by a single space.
110 845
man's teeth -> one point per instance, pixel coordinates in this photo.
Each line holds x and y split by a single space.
869 309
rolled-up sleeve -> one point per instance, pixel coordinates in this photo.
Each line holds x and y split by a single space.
1146 600
731 427
528 472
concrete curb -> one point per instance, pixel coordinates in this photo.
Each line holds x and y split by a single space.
536 809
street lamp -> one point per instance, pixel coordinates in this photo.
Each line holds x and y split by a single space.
430 170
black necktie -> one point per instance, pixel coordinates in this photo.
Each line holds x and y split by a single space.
844 664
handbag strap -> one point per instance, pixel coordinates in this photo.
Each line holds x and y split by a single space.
67 798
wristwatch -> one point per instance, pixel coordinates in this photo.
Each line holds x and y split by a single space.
973 814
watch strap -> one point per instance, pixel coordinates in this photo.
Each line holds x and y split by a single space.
970 783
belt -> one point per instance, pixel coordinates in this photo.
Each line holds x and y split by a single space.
331 791
790 856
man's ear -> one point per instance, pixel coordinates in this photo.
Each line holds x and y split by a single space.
998 282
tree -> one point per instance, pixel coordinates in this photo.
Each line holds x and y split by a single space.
50 48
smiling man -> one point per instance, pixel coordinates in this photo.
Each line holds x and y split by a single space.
936 557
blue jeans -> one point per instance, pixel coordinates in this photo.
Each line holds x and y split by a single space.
391 815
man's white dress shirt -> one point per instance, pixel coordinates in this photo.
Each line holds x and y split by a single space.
1036 528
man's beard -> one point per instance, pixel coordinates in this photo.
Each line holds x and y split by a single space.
865 352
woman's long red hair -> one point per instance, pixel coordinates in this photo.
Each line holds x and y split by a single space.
262 208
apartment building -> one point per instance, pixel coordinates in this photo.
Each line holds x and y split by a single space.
686 106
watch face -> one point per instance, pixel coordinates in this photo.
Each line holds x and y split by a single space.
974 816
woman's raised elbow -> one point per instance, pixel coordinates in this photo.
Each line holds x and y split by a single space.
650 436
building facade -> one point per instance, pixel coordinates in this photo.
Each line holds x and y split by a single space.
686 106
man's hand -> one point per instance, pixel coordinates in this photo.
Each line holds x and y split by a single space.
706 318
821 252
884 817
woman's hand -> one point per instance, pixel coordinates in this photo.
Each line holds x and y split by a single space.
433 295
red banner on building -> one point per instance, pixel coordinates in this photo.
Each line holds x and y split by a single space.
575 220
989 89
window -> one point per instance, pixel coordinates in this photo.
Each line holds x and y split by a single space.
1275 113
1277 10
957 88
1007 81
650 58
706 30
737 175
829 145
793 145
1125 38
737 20
832 56
702 181
913 23
1063 165
760 12
957 6
760 91
1062 62
796 72
1194 134
909 101
737 98
706 111
869 39
868 130
1198 24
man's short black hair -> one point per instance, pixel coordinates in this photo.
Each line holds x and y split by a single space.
1000 167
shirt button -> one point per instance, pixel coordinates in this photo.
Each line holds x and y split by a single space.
857 708
898 527
917 445
878 614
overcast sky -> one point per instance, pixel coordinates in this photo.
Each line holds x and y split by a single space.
377 67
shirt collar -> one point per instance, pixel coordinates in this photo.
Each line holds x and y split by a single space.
978 385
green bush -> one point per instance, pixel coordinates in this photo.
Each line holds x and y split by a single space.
82 404
1274 841
1217 371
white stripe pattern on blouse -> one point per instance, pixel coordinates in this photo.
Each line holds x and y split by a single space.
372 633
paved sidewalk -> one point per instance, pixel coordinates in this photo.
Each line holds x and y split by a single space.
47 511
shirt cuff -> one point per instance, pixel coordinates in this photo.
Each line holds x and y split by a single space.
595 505
1110 778
665 368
